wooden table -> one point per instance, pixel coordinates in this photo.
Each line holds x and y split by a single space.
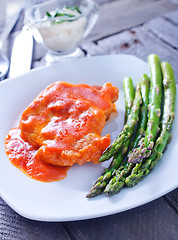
137 27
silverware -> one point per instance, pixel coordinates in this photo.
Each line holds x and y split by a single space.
22 51
4 65
4 61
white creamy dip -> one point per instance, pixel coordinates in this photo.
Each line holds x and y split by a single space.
61 37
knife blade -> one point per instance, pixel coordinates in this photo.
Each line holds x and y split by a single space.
22 52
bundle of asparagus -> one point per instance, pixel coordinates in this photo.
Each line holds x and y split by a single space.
151 135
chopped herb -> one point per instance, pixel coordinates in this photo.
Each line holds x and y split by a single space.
74 8
48 14
56 13
59 13
64 15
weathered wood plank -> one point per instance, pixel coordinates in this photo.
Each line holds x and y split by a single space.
172 16
174 1
13 227
101 2
120 15
137 41
165 30
155 221
172 199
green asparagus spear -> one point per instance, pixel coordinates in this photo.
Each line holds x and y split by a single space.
118 180
146 143
127 131
129 95
102 181
144 85
143 169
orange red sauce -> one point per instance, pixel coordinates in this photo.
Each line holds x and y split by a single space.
61 127
22 155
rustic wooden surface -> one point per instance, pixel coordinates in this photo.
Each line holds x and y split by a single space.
136 27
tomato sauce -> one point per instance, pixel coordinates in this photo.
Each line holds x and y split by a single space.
23 156
61 127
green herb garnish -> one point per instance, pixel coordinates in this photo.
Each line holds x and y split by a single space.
74 8
59 13
48 14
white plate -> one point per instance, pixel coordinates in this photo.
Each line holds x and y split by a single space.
65 200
